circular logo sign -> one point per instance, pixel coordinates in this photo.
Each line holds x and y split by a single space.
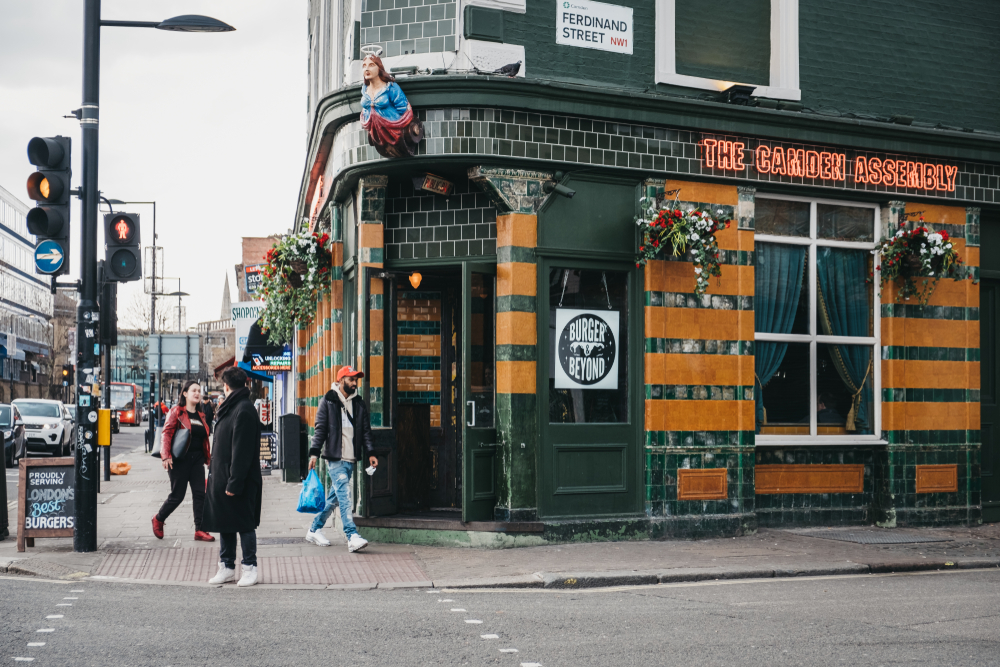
587 348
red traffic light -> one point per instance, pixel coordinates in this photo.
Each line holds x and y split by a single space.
121 229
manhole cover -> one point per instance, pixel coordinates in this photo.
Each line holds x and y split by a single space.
261 541
882 537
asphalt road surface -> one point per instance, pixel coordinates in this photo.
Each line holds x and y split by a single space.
926 619
122 442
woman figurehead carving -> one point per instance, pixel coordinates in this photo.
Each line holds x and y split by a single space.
386 114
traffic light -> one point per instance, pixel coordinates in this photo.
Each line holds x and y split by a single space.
122 261
50 187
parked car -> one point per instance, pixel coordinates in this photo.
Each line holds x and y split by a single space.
145 413
13 434
48 425
71 409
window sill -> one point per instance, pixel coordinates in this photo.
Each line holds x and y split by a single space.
774 92
806 441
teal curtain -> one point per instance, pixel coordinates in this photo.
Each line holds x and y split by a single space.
778 275
844 310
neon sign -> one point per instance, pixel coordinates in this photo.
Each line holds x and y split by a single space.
824 166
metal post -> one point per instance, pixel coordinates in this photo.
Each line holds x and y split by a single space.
88 313
107 406
151 438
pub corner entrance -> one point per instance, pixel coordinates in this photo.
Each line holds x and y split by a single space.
431 350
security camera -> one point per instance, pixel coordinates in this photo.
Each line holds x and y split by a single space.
559 189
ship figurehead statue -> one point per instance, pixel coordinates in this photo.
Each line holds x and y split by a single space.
386 115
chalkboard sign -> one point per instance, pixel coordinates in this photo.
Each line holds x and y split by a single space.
268 452
46 504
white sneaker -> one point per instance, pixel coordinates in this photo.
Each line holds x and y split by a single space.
224 575
317 538
356 543
249 577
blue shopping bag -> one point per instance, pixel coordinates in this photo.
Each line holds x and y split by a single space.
312 498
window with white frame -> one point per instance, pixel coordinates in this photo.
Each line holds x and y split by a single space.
674 24
816 330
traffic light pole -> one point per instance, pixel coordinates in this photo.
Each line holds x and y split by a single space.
88 313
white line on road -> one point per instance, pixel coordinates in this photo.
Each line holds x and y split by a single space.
54 616
490 636
65 604
77 591
73 598
23 659
458 610
508 650
531 664
36 643
46 630
447 600
470 620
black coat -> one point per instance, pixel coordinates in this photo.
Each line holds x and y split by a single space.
235 468
327 439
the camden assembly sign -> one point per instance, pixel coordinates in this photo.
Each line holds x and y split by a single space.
817 165
586 349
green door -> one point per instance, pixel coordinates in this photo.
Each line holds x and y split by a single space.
478 372
989 306
589 374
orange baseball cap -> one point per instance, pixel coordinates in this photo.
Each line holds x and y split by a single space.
348 371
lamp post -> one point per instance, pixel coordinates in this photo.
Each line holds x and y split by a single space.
88 313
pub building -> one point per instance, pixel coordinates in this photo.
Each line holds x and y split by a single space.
529 382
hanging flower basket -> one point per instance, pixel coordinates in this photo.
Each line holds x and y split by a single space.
686 233
912 255
297 275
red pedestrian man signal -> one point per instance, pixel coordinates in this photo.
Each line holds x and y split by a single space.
121 258
124 231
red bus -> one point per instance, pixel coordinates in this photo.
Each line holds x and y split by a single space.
127 399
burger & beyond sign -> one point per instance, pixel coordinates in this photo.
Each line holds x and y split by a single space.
586 349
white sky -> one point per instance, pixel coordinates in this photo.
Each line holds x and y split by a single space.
210 126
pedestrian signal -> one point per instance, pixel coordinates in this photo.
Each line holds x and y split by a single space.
121 242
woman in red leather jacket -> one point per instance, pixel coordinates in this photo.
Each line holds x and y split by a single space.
188 468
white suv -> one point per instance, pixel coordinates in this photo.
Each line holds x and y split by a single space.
48 426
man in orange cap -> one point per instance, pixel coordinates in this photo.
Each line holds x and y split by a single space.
343 434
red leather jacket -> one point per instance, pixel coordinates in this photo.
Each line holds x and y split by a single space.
179 414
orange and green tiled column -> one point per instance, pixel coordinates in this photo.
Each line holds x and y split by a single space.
371 253
516 360
699 365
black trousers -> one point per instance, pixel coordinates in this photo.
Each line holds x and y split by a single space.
227 548
189 469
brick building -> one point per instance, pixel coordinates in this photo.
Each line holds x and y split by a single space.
793 392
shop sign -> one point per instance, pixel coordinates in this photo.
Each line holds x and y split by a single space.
268 451
826 166
594 25
252 278
46 499
245 313
586 349
272 363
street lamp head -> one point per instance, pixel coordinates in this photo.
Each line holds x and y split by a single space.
178 294
194 23
116 202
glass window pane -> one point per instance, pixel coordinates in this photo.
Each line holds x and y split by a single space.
781 218
588 346
845 223
781 298
783 372
844 378
483 348
845 305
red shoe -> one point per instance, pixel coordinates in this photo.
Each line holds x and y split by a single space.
202 536
157 528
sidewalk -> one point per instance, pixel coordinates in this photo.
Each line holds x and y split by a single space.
129 552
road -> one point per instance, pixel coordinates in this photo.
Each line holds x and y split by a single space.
126 440
929 619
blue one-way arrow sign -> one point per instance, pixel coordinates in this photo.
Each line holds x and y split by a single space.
49 257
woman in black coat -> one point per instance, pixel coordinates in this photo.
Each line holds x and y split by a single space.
233 500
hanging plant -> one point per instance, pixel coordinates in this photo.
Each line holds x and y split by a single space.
685 233
911 254
296 276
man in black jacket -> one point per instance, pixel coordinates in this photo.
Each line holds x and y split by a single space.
343 434
232 504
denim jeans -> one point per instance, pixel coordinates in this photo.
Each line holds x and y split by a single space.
227 548
339 494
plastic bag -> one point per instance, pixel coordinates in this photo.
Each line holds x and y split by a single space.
120 467
312 498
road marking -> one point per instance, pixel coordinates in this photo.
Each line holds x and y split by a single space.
73 598
469 620
46 630
508 650
448 600
23 659
36 643
531 664
65 604
458 610
54 616
490 636
77 591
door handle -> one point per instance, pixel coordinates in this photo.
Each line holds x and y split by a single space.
473 404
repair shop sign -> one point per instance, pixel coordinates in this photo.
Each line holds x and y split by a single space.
594 25
586 349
